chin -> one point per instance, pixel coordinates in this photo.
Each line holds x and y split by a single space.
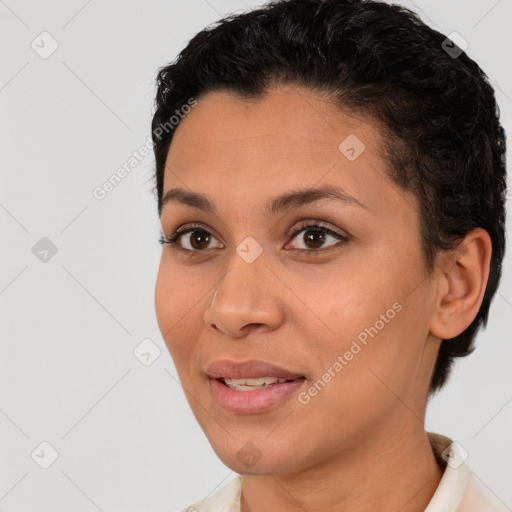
258 458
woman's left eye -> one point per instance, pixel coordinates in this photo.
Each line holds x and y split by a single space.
314 237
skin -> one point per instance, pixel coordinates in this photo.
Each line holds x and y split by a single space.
360 443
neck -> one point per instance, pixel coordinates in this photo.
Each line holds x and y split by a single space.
389 471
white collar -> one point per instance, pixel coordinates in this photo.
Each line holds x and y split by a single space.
455 479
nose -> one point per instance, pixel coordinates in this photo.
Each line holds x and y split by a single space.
247 297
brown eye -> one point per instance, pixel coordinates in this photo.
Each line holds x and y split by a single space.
197 242
316 235
199 239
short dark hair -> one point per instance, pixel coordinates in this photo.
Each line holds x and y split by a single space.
437 110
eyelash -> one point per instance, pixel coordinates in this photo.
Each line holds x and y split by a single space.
316 225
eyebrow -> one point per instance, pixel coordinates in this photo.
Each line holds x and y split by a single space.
287 201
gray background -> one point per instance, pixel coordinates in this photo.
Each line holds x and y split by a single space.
125 437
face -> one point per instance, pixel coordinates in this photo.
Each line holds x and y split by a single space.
333 290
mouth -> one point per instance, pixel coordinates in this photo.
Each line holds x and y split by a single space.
252 386
251 372
255 383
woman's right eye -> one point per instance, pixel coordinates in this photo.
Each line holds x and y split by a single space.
199 240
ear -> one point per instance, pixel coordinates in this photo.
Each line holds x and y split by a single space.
462 275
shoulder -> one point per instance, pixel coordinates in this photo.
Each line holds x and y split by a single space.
226 499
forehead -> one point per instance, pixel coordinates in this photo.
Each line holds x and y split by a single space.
287 119
243 149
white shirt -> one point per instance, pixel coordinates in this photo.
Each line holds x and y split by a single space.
458 490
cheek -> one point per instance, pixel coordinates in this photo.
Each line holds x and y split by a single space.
355 302
165 291
176 307
374 325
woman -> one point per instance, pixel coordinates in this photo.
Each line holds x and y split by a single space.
330 180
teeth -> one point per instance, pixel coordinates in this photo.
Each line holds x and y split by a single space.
250 384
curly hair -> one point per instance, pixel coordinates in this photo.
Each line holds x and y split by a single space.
437 110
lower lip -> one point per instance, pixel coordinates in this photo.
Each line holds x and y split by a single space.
248 402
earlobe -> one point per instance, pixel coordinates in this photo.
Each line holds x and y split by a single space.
462 275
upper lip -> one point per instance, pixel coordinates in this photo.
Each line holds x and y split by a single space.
248 370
